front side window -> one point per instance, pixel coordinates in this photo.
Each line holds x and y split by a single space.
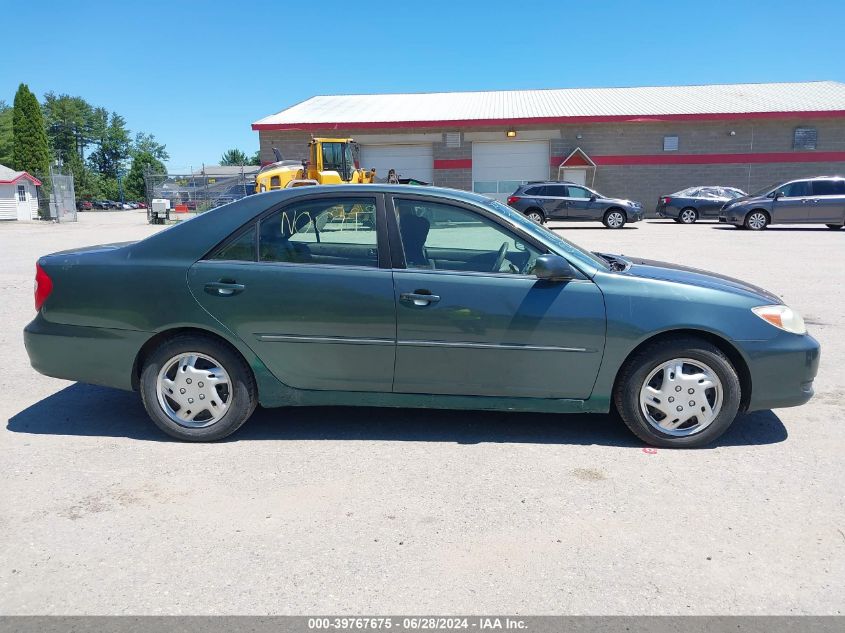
578 192
795 189
829 187
339 231
21 193
439 236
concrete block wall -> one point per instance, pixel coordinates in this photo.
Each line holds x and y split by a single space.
643 182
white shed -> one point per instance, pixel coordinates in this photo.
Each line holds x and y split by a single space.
18 195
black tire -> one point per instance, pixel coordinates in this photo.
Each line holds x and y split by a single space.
242 394
834 227
756 220
626 394
691 216
614 218
536 215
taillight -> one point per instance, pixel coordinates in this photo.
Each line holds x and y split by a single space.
43 286
513 199
665 200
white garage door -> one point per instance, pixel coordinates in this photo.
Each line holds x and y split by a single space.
409 161
499 168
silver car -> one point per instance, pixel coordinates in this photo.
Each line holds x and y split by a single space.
818 200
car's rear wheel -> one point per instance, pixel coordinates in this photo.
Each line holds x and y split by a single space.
197 389
614 219
756 220
535 215
688 216
682 392
835 227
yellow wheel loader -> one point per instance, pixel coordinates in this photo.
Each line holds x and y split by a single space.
331 162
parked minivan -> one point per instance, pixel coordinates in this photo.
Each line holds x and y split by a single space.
818 200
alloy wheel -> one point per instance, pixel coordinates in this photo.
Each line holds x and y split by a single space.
535 216
681 397
757 221
615 219
194 390
688 216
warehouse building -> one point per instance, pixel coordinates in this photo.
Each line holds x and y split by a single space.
633 143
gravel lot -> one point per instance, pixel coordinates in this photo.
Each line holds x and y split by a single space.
366 511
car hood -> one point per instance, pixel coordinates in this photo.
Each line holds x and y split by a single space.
650 269
621 201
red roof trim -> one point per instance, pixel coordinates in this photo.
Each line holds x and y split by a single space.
624 118
34 180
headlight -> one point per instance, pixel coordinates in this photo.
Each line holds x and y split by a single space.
782 317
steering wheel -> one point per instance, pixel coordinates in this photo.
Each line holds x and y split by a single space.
500 258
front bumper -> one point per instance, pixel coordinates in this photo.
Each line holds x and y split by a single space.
100 356
782 370
634 215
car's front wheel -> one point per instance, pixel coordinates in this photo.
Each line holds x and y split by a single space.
681 392
756 220
688 216
197 389
614 219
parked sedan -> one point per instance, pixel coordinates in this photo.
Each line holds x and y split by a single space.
454 301
542 201
694 203
806 201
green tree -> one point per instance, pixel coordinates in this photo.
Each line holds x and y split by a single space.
6 142
146 143
256 158
234 157
70 122
133 185
30 147
114 144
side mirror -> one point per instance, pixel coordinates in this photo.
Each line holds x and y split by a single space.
593 197
552 268
775 195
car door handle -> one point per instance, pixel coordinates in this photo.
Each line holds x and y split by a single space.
223 288
420 298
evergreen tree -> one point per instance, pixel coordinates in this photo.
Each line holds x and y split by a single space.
133 185
30 147
6 113
234 157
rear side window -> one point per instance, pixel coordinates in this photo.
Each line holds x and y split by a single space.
828 187
535 191
241 249
556 191
795 189
339 231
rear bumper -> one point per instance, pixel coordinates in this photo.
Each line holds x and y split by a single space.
99 356
782 370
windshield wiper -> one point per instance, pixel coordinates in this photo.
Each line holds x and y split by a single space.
616 263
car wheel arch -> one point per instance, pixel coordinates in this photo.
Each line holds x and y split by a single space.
620 209
723 344
534 210
766 212
160 337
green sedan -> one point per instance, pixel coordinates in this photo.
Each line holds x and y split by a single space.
403 296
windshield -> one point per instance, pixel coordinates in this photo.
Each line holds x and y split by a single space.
547 235
764 191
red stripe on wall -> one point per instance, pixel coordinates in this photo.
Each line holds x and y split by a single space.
713 159
453 163
625 118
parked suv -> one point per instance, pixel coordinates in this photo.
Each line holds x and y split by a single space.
809 200
542 201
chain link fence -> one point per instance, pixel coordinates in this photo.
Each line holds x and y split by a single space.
62 199
197 192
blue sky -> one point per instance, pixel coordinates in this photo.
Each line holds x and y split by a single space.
196 74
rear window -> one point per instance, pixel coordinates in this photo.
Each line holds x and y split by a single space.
557 191
828 187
